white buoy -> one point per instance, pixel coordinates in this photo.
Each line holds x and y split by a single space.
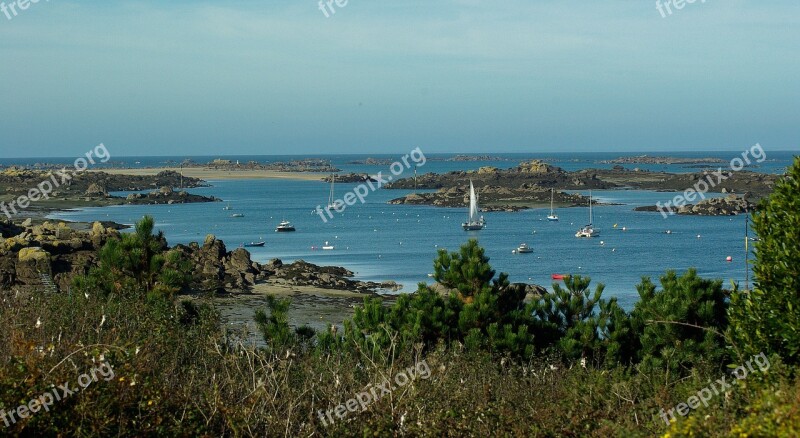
698 236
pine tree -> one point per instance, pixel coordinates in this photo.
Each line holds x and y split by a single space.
767 319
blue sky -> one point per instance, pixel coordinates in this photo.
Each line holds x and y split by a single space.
379 76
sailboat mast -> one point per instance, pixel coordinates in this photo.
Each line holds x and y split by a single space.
330 196
591 220
746 252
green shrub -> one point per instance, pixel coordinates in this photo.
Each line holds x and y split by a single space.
767 319
682 325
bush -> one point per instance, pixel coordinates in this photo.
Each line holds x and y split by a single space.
767 319
681 326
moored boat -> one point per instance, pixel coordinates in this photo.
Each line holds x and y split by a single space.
552 217
588 230
285 226
523 248
474 221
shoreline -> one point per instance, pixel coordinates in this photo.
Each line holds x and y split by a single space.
216 174
317 307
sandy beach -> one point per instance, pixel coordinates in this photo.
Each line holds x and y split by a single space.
217 174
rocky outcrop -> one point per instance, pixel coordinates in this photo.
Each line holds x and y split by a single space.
302 273
166 195
537 173
216 269
52 249
59 252
493 197
646 159
306 165
351 178
728 206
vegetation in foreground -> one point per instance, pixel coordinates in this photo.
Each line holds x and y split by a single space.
570 363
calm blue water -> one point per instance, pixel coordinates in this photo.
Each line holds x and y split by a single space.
775 162
387 242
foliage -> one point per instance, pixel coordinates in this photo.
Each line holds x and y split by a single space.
473 308
767 319
680 326
581 324
137 262
275 327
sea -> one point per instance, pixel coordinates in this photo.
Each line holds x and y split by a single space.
382 242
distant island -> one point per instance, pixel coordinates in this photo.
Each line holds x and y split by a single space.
306 165
646 159
92 189
528 185
456 158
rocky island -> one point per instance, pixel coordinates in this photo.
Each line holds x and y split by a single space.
647 159
51 254
529 184
728 206
91 189
306 165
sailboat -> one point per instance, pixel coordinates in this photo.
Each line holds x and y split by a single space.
552 216
588 230
474 222
332 204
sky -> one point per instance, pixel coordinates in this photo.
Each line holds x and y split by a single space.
267 77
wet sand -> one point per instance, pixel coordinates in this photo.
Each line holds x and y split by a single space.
217 174
316 307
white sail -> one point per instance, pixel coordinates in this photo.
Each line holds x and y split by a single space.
473 204
331 202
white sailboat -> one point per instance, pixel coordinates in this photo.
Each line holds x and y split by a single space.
588 230
552 216
474 221
332 204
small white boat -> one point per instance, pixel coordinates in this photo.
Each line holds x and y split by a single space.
328 246
524 248
228 207
552 217
285 226
237 215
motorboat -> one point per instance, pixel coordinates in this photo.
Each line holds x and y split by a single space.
285 226
523 248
